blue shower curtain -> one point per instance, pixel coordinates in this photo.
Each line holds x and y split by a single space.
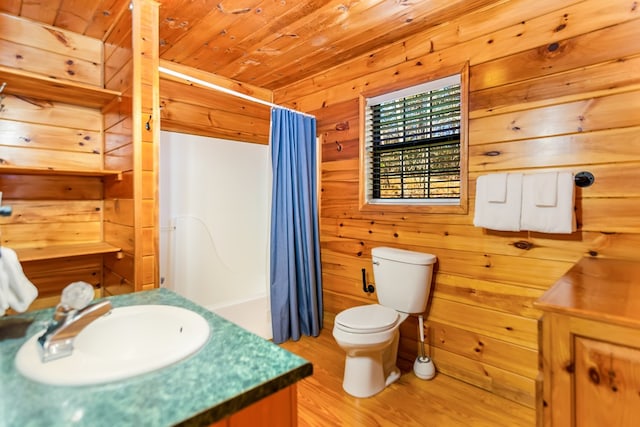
296 282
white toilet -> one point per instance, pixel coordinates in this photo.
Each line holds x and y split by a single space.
369 333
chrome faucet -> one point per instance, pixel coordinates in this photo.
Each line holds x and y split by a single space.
72 315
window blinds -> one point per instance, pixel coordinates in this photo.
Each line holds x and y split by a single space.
413 143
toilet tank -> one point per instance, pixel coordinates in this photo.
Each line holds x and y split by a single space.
402 278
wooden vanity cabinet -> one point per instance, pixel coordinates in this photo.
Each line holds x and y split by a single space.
590 346
279 409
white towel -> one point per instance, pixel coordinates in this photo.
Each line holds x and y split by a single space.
499 216
496 187
548 219
545 186
4 291
16 291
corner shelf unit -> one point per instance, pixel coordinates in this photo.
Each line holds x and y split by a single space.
33 85
68 250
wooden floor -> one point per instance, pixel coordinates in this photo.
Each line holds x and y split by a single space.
410 401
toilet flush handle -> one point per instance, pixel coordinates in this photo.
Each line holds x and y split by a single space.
367 288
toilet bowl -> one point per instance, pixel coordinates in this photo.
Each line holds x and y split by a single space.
369 334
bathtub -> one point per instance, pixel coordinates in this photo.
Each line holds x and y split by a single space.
196 270
252 314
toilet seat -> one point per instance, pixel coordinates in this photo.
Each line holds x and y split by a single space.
367 319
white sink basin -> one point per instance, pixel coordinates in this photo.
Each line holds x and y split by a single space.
128 341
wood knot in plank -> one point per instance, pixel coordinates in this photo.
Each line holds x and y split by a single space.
59 36
553 49
342 126
563 25
238 11
523 244
174 23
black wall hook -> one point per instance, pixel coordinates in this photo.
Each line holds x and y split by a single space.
147 125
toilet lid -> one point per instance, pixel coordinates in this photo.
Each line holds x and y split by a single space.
367 318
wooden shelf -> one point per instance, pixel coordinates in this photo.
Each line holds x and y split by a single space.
64 251
27 170
33 85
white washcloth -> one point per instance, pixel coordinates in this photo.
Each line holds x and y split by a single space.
545 187
499 216
549 219
16 291
496 187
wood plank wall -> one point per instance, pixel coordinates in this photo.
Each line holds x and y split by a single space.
146 135
119 220
131 204
194 109
554 85
51 210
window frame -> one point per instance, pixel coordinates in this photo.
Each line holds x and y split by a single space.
418 205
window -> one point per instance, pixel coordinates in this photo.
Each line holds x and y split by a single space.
414 151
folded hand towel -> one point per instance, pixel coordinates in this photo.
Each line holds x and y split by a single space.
549 219
499 216
18 291
545 188
496 187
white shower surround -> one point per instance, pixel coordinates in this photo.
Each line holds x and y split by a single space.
214 220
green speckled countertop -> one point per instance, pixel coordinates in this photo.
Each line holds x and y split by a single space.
234 369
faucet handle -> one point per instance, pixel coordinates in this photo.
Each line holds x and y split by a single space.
76 295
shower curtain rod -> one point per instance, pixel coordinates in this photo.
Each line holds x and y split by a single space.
227 91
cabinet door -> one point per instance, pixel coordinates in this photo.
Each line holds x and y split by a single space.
607 384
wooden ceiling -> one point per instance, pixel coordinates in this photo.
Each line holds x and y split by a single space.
267 43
